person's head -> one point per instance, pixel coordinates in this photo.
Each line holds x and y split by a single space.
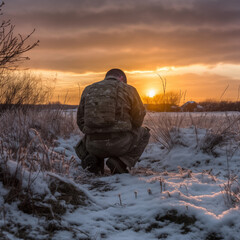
118 74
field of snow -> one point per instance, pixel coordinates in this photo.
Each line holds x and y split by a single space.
185 185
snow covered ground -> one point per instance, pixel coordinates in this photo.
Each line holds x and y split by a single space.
186 189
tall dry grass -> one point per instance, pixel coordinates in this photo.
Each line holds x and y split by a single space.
165 128
16 126
27 138
19 88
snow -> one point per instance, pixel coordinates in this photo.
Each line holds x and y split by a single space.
171 194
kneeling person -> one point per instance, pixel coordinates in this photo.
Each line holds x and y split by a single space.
110 114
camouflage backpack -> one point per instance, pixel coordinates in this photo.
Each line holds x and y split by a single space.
100 104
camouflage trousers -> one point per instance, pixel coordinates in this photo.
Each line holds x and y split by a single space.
126 146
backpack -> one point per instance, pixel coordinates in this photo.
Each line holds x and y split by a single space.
100 104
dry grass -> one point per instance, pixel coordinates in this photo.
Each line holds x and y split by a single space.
27 139
18 128
165 128
231 191
27 152
220 129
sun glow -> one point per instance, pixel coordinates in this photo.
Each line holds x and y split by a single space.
151 93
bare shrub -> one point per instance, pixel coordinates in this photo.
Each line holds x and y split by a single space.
218 133
231 191
22 88
165 127
210 142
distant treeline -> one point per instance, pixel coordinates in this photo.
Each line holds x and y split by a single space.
162 107
50 106
204 106
220 106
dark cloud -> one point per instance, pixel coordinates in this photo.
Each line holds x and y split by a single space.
140 40
83 35
92 14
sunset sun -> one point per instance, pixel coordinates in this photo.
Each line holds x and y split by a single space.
151 93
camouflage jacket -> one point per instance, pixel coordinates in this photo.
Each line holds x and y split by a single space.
130 111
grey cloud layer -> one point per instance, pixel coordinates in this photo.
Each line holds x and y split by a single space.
82 35
201 14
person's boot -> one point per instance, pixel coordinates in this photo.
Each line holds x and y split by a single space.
101 165
116 166
92 164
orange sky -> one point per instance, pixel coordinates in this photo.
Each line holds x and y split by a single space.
195 44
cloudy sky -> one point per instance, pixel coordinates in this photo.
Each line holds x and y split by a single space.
195 44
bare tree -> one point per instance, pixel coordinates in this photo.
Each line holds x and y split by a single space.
12 45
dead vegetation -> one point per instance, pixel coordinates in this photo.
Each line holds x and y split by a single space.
27 153
27 159
20 128
166 129
22 88
13 45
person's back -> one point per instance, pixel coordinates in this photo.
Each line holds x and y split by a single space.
111 114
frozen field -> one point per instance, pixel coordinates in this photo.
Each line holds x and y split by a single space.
185 186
